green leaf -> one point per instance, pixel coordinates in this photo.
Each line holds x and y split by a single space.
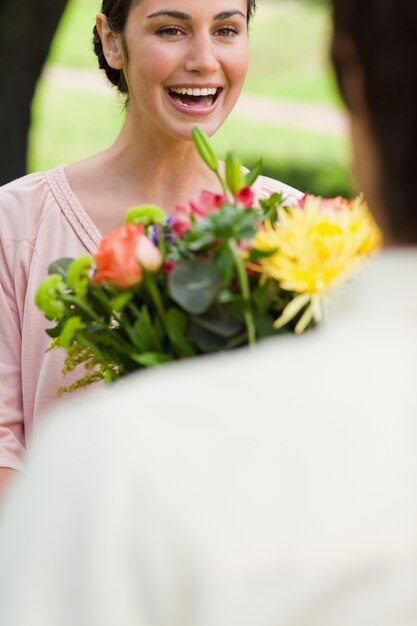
200 243
144 334
204 149
253 174
262 299
270 206
224 264
177 324
54 332
194 285
146 214
151 359
255 254
119 302
264 324
60 267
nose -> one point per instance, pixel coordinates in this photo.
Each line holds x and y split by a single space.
201 55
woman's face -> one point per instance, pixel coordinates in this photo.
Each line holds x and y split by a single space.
187 60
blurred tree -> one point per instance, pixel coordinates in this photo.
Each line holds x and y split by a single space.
26 31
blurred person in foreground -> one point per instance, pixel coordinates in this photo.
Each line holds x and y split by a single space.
272 487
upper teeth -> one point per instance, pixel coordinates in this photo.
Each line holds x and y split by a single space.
192 91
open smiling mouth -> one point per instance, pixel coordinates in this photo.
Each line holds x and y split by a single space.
194 97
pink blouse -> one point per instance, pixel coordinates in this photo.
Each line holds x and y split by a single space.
41 220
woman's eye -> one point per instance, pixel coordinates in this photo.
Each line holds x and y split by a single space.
169 31
227 31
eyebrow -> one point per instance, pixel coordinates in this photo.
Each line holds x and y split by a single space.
185 16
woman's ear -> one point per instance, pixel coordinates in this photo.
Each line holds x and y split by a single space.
111 42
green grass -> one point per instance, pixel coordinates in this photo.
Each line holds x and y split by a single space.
289 42
72 44
288 48
68 126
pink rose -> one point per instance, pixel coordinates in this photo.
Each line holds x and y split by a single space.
181 221
246 197
148 255
207 203
116 260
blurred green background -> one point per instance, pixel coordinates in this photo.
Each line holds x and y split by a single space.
290 93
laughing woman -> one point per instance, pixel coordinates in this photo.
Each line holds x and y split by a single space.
179 64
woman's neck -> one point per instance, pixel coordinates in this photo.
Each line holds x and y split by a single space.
139 168
159 169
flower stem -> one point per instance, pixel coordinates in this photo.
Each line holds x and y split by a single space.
244 287
156 297
83 306
222 182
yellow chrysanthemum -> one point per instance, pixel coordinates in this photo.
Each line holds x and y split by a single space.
319 244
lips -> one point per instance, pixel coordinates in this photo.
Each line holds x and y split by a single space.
194 99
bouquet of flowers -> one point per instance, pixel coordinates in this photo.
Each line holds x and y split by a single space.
224 272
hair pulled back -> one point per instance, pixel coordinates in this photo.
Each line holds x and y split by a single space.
117 12
385 46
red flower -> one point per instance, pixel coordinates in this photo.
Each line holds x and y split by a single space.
246 197
116 260
169 266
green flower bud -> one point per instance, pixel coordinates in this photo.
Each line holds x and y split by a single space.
78 276
234 176
204 149
71 326
48 297
146 214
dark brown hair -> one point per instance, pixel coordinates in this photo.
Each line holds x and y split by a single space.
117 12
384 42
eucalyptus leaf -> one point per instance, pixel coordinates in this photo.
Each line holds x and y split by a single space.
206 341
219 326
194 285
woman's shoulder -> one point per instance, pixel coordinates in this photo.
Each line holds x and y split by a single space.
265 186
25 201
25 205
30 188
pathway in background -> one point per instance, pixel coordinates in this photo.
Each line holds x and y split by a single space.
314 117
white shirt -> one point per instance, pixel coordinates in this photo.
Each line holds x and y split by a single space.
259 488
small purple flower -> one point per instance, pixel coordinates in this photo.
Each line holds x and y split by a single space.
168 236
155 235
